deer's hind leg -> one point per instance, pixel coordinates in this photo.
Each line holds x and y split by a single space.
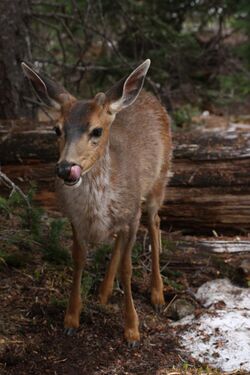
72 316
107 284
153 205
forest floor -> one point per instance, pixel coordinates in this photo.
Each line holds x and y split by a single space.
34 289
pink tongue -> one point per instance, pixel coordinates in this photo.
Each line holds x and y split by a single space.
75 173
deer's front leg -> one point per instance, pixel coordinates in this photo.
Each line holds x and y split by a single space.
106 287
131 330
72 316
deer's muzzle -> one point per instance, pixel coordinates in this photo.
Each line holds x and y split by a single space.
69 172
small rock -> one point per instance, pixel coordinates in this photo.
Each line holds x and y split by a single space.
180 308
245 266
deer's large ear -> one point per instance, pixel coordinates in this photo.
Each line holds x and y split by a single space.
125 92
50 92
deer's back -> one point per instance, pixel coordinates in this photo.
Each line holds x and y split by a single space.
140 144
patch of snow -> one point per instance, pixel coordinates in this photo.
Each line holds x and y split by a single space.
233 296
238 126
220 337
205 114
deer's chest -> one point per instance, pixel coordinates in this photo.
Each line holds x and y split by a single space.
88 209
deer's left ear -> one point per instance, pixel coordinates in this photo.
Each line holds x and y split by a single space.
125 92
50 92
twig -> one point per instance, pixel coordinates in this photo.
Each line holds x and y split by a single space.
144 241
14 188
43 2
86 68
170 303
41 106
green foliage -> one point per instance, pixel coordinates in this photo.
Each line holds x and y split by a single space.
175 285
32 220
97 267
14 201
241 21
88 283
235 85
29 215
60 303
182 116
89 45
30 231
4 205
168 245
136 259
37 274
14 259
136 252
100 256
54 251
18 235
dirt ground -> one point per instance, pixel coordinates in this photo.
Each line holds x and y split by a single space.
33 300
34 342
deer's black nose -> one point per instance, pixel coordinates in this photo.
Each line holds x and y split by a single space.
63 169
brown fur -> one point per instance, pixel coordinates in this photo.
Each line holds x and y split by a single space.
128 164
137 158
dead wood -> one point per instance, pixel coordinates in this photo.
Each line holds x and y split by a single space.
210 184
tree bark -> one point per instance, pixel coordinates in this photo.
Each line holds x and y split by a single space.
209 190
14 48
210 187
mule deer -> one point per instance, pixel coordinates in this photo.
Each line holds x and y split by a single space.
115 152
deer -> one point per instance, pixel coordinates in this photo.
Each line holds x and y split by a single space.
114 157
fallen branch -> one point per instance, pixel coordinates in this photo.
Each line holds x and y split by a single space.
10 184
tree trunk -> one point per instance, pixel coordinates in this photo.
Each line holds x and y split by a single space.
208 192
14 48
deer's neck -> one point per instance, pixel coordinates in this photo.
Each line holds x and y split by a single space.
88 205
98 178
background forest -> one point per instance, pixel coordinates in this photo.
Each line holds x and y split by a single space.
199 50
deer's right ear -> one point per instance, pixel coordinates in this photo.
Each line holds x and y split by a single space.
50 92
125 92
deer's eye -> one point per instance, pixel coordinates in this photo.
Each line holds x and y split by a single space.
58 131
96 133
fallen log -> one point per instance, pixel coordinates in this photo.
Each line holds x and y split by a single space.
207 258
209 189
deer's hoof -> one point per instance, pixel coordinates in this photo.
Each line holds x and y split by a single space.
159 308
103 299
133 344
70 331
132 337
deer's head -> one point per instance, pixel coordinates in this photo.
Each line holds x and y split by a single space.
83 125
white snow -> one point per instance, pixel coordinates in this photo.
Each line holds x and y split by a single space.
222 290
221 336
